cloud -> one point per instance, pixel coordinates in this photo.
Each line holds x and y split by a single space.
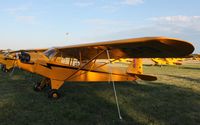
14 11
110 8
18 9
106 23
83 4
20 13
101 22
118 4
191 22
100 28
132 2
177 19
177 25
26 19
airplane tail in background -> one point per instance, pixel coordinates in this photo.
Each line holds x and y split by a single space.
135 69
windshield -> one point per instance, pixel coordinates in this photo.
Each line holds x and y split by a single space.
50 53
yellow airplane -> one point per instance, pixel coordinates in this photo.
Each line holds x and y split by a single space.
78 63
121 60
8 58
196 57
167 61
7 61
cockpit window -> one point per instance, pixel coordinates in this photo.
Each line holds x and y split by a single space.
6 54
50 53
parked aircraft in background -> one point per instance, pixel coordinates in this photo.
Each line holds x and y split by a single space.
167 61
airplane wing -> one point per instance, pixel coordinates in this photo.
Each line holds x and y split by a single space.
146 47
28 50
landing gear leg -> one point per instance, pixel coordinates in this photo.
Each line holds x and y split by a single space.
41 85
53 92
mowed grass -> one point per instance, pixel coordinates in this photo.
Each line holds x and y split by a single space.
174 99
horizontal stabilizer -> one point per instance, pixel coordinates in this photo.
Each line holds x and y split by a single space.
144 77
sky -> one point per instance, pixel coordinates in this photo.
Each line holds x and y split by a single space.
27 24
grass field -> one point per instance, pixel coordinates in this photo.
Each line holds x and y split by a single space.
174 99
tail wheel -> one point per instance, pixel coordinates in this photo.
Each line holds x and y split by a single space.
53 94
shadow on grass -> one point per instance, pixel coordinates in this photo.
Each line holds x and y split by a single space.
158 103
94 104
192 68
79 105
185 78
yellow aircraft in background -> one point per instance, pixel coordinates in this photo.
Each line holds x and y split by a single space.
122 60
79 63
7 61
167 61
8 58
196 57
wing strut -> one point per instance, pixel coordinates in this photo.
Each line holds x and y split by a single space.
14 66
86 64
114 88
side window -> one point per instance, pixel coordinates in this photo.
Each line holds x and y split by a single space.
50 53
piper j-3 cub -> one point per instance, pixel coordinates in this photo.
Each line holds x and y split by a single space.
79 63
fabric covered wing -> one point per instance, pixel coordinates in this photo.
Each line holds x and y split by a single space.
29 50
147 47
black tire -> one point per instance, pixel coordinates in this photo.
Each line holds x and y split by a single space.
3 68
6 70
53 94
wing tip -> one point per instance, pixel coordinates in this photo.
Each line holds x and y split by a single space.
182 48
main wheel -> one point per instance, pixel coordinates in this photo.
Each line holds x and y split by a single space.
6 70
53 94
